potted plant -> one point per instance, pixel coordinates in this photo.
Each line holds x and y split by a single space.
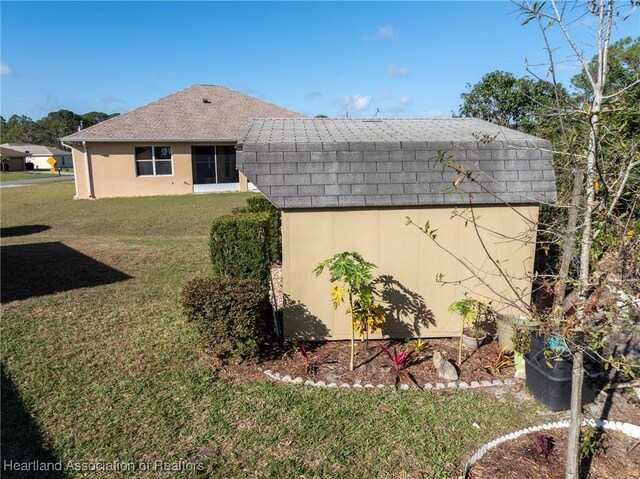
508 326
521 341
471 311
548 365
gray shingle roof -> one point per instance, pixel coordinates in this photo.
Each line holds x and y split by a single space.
200 112
314 163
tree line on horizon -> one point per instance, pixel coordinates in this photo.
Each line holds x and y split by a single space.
48 130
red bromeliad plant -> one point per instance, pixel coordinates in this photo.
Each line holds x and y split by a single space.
399 363
309 360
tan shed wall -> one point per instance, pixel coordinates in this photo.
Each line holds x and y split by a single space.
408 262
244 182
113 171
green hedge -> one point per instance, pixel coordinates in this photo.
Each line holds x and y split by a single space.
239 246
232 314
259 204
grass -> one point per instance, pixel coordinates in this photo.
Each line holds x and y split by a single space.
23 175
104 368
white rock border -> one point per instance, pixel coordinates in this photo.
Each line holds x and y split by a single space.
427 387
626 428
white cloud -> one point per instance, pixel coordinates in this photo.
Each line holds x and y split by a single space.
386 32
405 100
313 95
397 72
385 95
5 70
356 102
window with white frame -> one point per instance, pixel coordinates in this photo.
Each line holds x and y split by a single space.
153 161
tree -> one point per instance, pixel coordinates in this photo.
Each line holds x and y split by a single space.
95 117
20 129
596 141
600 95
58 124
519 103
49 129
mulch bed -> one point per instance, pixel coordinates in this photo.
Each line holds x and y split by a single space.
372 365
618 457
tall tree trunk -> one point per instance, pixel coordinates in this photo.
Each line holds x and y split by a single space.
577 375
569 244
573 447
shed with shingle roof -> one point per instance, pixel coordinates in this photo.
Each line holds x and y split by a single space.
350 184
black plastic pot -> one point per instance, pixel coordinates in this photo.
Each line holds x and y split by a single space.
551 383
560 363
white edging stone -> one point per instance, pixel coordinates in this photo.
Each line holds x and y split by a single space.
626 428
405 387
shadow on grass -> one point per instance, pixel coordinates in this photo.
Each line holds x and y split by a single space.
21 438
37 269
22 230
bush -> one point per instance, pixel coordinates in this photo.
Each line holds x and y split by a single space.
232 314
259 204
238 246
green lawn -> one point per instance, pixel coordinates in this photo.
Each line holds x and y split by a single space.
105 368
23 175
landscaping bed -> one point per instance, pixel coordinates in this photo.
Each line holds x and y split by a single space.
617 456
330 363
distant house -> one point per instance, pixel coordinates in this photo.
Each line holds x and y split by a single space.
183 143
38 155
15 159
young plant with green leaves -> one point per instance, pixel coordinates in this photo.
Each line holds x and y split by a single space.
470 311
351 277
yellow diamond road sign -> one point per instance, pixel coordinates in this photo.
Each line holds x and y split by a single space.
52 161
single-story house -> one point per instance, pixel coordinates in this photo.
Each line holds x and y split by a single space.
182 143
351 184
14 159
38 155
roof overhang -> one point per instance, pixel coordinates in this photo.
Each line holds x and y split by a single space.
67 139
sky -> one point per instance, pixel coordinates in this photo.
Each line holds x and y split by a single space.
405 59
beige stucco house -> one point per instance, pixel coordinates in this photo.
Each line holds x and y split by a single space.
179 144
350 185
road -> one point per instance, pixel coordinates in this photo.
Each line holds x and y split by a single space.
35 181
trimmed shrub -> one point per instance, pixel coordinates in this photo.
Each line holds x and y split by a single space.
238 246
259 204
232 314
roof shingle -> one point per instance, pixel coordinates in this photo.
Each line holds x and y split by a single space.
307 163
200 112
